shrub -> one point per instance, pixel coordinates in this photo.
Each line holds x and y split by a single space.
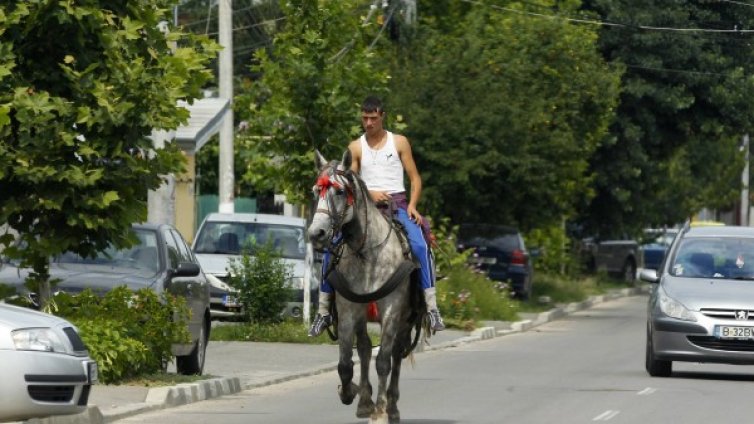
464 295
555 251
128 333
261 280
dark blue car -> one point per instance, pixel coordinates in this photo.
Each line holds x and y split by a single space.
655 243
500 252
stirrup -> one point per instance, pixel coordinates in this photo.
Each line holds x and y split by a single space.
435 321
321 322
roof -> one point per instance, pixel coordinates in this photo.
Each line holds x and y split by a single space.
204 122
255 217
721 231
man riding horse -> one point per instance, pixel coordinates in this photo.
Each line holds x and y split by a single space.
380 158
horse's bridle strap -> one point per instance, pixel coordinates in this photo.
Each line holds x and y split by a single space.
342 286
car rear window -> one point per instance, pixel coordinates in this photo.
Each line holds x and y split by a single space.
502 238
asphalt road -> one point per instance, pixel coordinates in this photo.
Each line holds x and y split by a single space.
587 367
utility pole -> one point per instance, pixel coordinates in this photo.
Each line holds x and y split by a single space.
226 181
745 183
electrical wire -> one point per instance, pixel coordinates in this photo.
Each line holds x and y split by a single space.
610 24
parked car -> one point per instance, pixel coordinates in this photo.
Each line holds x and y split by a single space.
161 261
46 367
618 257
654 245
222 236
702 304
500 251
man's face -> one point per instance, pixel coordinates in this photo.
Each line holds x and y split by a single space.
371 121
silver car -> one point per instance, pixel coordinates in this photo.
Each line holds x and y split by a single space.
702 304
46 368
222 237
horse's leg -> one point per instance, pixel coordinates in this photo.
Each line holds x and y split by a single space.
347 389
364 347
393 392
383 365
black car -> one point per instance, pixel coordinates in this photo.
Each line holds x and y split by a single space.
161 261
500 252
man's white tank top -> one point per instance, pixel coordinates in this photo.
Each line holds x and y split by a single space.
382 169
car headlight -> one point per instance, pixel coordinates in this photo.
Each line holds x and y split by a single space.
41 339
673 308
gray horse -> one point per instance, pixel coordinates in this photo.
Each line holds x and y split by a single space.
368 263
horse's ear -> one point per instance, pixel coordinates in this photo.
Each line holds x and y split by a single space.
319 160
346 160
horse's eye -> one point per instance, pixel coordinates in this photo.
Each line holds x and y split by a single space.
340 192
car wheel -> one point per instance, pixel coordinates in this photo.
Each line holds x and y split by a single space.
193 363
629 271
655 367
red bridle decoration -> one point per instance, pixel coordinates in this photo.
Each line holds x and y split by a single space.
324 183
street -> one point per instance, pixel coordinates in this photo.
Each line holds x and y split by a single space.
586 367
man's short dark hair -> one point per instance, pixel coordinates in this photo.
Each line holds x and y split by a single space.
372 104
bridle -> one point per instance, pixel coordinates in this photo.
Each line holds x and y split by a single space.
327 180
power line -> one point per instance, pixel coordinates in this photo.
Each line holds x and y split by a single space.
738 2
610 24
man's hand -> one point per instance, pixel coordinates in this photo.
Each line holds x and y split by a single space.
414 214
379 196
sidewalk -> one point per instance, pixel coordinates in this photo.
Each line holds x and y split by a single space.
235 366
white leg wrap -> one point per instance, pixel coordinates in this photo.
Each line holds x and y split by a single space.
430 296
324 303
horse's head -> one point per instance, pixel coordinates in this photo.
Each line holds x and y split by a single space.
334 193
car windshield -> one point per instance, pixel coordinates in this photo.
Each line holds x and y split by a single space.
230 238
715 257
143 256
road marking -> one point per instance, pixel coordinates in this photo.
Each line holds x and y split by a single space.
647 391
605 416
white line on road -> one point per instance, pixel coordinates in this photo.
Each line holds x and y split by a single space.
605 416
647 391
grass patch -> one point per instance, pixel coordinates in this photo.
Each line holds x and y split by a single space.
283 332
561 289
160 380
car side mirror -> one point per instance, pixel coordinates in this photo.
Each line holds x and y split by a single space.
187 269
649 276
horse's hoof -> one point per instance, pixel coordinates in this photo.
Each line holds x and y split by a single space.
394 418
365 409
380 418
347 396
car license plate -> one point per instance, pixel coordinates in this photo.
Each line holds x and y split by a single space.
734 332
484 260
230 301
92 372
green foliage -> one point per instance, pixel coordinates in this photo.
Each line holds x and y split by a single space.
684 107
311 82
555 253
262 281
466 297
82 86
504 112
128 333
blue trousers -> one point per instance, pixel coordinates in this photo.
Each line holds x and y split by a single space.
419 248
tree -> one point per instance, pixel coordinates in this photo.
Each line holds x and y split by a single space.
311 82
504 112
82 85
673 148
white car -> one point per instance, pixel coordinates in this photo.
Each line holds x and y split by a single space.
46 367
221 238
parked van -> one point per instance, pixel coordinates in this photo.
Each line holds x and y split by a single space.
222 236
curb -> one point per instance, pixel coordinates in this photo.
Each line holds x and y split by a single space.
182 394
